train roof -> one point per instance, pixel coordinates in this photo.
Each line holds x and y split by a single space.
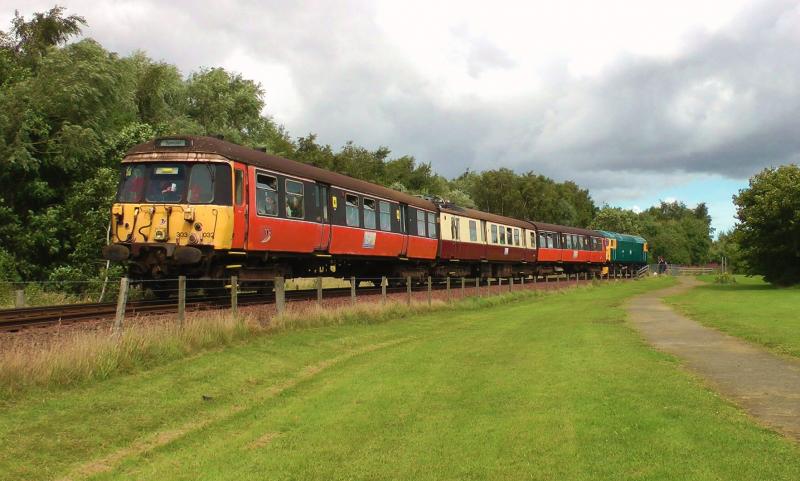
622 237
246 155
480 215
563 228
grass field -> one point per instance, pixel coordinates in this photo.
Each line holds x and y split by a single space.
750 309
551 388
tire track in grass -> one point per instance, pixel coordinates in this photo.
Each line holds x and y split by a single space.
163 438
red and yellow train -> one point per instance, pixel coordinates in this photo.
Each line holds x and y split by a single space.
208 209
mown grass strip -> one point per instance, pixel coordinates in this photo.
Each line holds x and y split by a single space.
86 356
558 387
749 309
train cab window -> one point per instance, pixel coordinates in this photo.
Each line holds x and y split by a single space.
351 210
166 183
431 225
455 228
132 187
516 237
473 231
494 234
266 195
294 199
421 223
369 213
201 184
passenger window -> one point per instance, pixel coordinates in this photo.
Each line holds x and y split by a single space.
473 231
502 235
542 241
516 237
454 228
483 231
431 225
266 195
294 199
494 234
533 240
421 223
351 210
239 187
369 213
385 215
551 240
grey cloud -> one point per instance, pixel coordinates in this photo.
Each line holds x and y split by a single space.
728 104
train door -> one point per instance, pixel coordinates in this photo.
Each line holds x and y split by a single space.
323 199
240 210
404 229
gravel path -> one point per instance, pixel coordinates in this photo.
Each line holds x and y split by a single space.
763 384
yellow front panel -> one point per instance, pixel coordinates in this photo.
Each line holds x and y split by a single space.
173 224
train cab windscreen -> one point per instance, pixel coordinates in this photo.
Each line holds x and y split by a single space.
175 183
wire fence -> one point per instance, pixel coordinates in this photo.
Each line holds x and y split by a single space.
177 295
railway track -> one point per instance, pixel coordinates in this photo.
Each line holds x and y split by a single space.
27 317
17 319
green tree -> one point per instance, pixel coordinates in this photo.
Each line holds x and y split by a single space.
727 246
769 224
616 219
30 39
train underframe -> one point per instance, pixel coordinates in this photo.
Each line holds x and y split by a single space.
160 264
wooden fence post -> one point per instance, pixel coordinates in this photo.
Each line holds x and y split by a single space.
408 289
430 299
19 299
449 294
280 294
235 295
511 284
122 301
384 283
181 300
463 287
478 285
319 291
353 290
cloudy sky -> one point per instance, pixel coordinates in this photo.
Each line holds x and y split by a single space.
635 100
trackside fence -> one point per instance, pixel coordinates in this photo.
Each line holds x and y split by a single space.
679 270
175 297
